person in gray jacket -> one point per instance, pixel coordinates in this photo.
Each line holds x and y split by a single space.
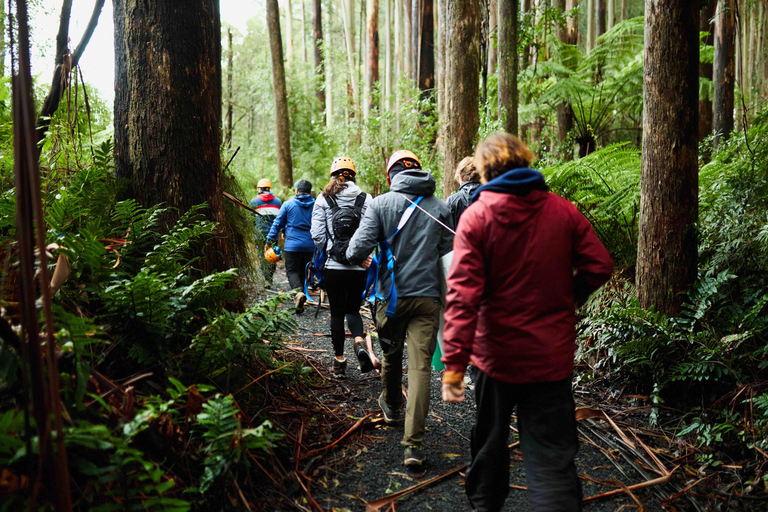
335 218
415 251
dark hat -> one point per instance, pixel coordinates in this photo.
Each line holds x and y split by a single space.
303 186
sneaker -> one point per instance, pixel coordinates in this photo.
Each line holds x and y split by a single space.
299 300
391 416
339 369
414 456
363 358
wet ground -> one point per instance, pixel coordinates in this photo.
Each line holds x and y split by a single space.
368 465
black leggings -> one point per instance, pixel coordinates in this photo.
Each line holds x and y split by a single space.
295 267
345 294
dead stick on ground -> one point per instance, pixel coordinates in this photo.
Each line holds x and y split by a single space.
310 498
346 434
257 379
649 483
376 505
240 492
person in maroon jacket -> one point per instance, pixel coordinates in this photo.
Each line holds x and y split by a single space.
523 257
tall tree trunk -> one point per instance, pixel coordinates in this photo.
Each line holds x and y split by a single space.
399 57
303 31
591 29
573 22
329 70
442 64
624 10
407 34
493 35
283 132
611 20
289 32
317 23
602 18
705 68
228 138
564 110
463 45
373 52
387 103
508 64
426 48
349 38
167 115
667 242
415 30
723 71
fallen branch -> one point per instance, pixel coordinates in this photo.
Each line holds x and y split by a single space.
344 436
649 483
257 379
376 505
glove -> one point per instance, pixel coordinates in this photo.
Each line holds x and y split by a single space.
453 386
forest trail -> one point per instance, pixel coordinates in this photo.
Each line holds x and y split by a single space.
366 467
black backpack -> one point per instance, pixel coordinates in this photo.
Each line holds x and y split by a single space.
344 221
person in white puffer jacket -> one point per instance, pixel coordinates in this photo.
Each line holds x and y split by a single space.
335 217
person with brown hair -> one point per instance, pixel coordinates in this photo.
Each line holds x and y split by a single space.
335 219
468 178
511 311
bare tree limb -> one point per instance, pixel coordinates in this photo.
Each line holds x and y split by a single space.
64 62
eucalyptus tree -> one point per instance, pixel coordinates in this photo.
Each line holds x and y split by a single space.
723 70
508 64
667 240
282 124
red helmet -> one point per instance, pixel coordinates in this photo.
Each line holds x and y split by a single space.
408 158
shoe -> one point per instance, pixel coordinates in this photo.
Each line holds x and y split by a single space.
299 300
363 358
414 456
391 416
339 369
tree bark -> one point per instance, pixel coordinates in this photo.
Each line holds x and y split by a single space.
289 33
303 31
463 45
591 29
407 34
624 10
317 23
426 48
564 110
349 38
167 113
723 71
508 63
328 73
442 65
283 132
667 241
228 136
611 20
387 103
602 18
493 35
705 68
373 51
573 22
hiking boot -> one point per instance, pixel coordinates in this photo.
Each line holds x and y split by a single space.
339 369
391 416
363 357
299 300
414 456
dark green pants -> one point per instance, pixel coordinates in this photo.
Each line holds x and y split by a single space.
416 320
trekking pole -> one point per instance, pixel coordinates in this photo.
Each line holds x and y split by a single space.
428 214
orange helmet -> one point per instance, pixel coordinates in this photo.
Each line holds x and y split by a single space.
408 158
341 163
272 254
264 183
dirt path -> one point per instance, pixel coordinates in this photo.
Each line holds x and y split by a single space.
368 465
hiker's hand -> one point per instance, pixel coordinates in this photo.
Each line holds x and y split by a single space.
367 262
453 392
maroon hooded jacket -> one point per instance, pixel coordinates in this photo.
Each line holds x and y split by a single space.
518 260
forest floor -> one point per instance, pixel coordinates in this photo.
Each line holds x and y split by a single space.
364 469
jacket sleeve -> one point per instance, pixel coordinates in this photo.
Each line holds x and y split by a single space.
590 258
466 283
366 237
446 237
319 231
279 223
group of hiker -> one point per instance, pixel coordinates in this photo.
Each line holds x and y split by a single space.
521 259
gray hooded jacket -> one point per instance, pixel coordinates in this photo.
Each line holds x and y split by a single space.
322 227
418 246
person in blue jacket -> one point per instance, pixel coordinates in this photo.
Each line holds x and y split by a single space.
295 219
267 206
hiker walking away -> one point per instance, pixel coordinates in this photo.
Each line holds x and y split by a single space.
408 291
267 205
510 310
468 178
335 218
295 219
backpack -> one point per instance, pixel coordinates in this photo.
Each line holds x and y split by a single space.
345 220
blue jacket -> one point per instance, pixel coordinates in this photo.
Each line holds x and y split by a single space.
295 218
267 205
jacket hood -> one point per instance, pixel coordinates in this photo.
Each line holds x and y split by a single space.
414 181
304 200
266 196
351 192
470 186
519 182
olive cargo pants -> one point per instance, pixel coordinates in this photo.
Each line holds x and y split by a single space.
416 320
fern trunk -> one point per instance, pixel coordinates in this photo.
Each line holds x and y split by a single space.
167 113
667 241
